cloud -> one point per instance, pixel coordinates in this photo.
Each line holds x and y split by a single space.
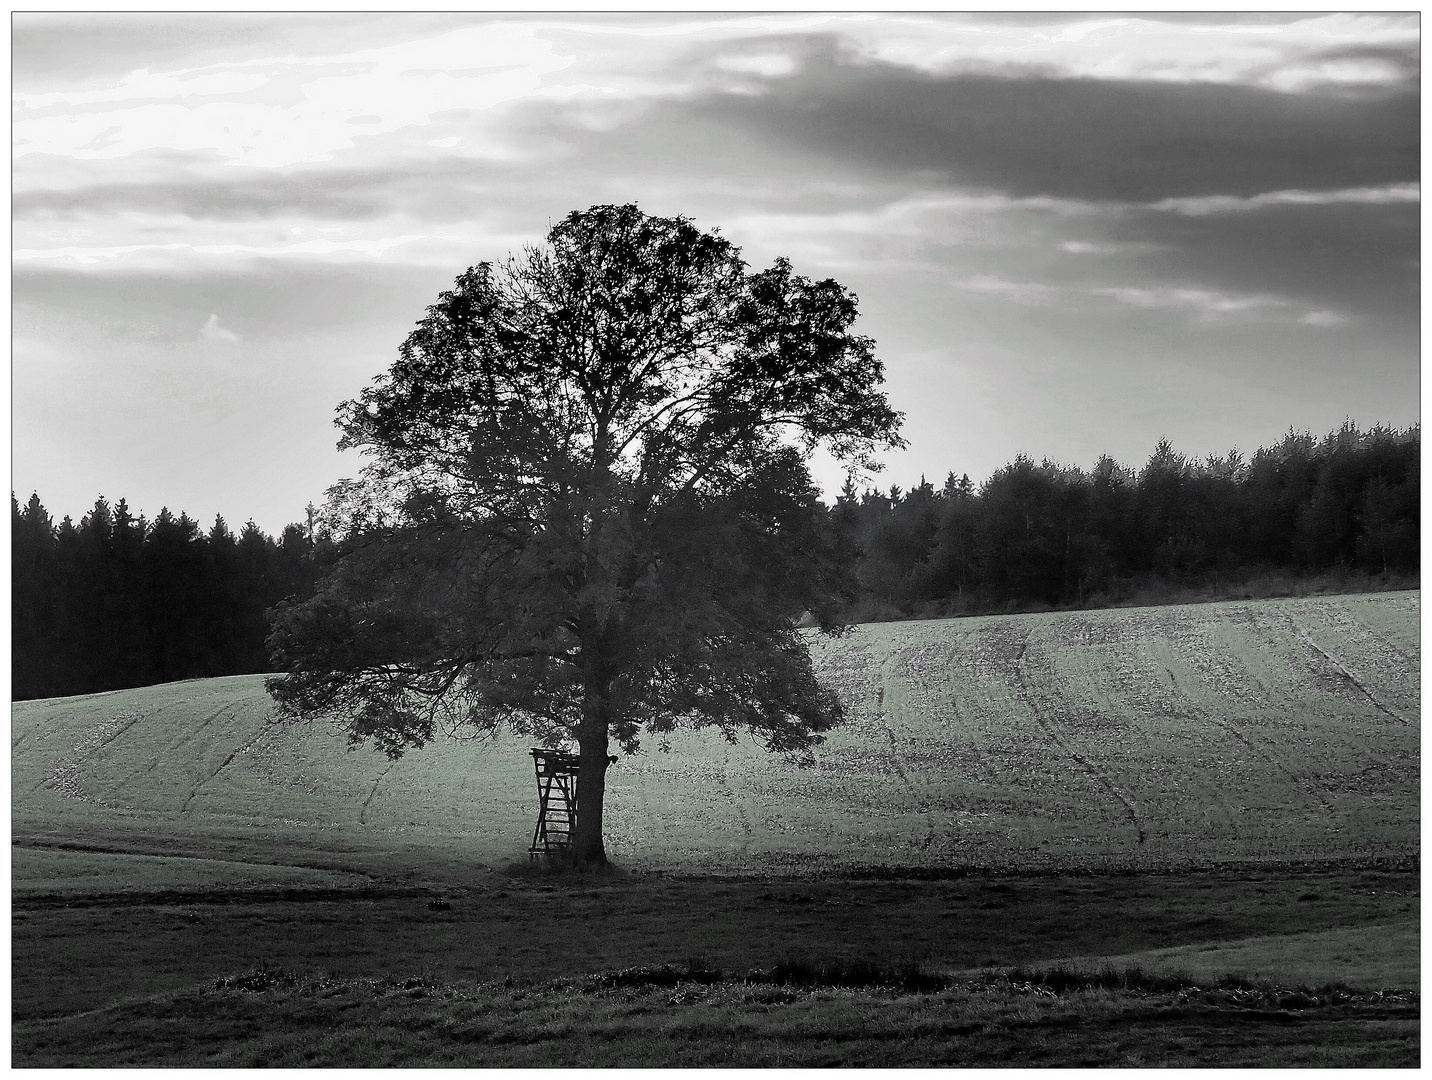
1028 293
1104 247
302 249
1356 257
212 331
302 105
310 105
769 65
1200 301
1234 204
1319 72
1267 50
67 50
1094 140
1286 53
1082 247
1206 305
1324 318
406 183
304 114
144 85
272 300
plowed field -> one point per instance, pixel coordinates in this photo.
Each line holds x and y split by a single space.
1154 737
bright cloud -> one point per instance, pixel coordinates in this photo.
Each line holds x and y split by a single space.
370 248
924 214
1200 301
309 108
1029 293
1204 304
1285 56
212 331
306 110
769 65
144 85
1199 205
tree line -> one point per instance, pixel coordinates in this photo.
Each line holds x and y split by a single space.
118 601
1039 536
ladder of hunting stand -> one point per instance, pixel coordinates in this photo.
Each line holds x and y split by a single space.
556 800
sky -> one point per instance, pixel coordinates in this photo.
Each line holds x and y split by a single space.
1071 234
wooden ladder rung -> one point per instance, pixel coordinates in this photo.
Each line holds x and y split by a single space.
556 799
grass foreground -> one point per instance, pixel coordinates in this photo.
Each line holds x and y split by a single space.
795 1014
525 968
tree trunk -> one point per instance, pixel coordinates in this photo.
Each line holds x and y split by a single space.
587 846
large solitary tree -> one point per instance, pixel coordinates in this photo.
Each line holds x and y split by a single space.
585 510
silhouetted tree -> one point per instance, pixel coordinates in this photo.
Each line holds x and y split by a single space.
587 512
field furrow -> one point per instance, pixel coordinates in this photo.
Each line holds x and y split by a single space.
1155 737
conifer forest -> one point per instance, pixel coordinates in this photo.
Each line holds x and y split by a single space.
117 601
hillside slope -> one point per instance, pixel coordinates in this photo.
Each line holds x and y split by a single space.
1170 736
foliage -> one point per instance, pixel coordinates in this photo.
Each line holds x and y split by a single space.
586 512
1038 536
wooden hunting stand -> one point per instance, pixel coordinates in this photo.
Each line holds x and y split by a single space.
556 801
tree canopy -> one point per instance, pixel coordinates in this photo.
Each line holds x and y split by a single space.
1035 536
585 511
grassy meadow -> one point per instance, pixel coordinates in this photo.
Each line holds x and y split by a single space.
1213 790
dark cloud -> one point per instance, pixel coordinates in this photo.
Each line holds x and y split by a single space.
1076 138
886 132
1358 259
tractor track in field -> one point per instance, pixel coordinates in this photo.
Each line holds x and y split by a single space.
1098 775
1318 794
1307 639
363 813
65 777
1314 791
242 748
747 833
889 733
929 837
